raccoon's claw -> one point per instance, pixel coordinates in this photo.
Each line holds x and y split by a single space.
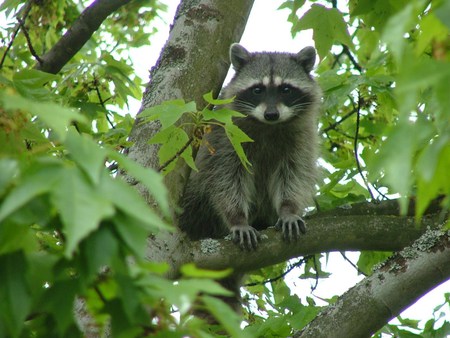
291 226
245 236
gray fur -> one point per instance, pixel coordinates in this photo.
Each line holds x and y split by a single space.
223 197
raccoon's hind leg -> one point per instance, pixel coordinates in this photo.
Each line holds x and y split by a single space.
232 200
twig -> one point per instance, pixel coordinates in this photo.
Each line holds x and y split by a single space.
26 11
27 37
352 59
292 267
352 264
355 147
317 274
102 102
346 51
335 124
178 154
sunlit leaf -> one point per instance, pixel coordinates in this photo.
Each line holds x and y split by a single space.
328 27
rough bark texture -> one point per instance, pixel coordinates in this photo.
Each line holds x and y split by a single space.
193 62
364 226
365 308
77 35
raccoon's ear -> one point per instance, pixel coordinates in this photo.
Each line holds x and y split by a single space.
239 56
306 58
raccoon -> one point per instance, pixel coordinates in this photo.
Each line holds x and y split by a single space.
280 101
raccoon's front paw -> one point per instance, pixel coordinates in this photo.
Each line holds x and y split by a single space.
291 226
245 236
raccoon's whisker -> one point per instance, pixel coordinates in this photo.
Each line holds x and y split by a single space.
304 99
301 106
243 106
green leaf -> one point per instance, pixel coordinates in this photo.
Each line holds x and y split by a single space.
32 78
168 112
14 237
376 13
432 167
396 159
15 299
225 315
442 11
56 117
417 75
9 169
303 316
190 270
432 31
328 27
133 234
30 83
58 300
223 115
152 180
38 182
368 259
237 137
208 97
174 144
128 200
80 205
87 154
397 26
40 271
129 294
99 249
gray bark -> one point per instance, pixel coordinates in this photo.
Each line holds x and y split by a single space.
193 62
362 227
369 305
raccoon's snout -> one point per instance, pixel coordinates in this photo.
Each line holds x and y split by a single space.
271 115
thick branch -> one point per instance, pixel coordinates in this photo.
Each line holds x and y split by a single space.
365 308
77 35
364 226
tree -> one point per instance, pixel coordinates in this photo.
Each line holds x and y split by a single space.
73 233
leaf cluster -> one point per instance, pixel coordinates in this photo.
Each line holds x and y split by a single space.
73 233
179 120
384 72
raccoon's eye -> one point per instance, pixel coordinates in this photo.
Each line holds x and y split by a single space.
257 90
286 89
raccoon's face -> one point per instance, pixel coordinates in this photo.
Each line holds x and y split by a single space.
272 87
272 100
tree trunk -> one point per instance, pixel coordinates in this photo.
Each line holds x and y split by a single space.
193 62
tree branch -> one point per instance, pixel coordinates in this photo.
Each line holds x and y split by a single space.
363 226
369 305
77 35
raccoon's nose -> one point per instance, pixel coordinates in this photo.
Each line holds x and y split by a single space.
271 115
